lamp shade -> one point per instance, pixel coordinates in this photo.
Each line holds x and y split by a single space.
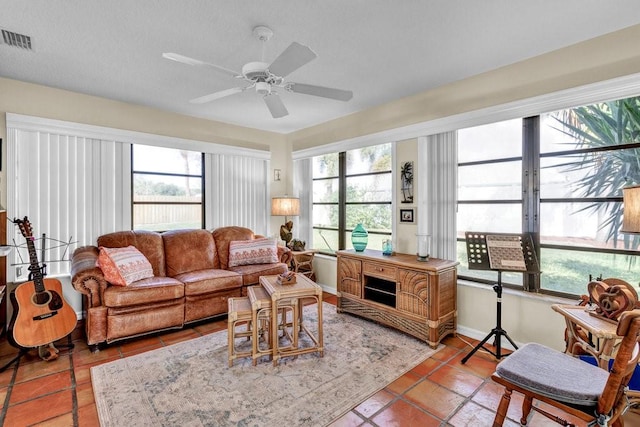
631 212
285 206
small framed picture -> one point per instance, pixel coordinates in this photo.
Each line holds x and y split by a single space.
407 215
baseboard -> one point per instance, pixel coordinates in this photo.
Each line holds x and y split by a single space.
328 289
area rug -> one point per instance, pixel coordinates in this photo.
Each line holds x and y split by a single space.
190 383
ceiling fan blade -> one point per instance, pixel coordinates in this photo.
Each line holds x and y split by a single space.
217 95
324 92
293 57
196 62
275 105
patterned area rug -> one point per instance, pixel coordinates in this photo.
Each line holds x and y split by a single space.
190 383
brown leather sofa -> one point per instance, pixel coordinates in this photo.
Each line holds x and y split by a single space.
192 281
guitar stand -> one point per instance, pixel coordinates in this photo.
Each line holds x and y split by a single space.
16 359
49 352
53 354
498 332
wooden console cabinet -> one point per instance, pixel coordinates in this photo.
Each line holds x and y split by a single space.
418 298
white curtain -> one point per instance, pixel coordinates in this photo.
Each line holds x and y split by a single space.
237 192
72 189
438 188
303 188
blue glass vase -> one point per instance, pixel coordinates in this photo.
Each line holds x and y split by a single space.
359 238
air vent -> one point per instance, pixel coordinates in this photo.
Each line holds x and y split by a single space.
16 40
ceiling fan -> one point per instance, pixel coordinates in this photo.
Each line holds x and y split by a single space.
267 78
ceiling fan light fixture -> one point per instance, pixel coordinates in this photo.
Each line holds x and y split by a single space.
263 88
255 71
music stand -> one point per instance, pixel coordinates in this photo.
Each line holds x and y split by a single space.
499 252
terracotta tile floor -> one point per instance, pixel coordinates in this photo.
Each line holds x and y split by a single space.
438 392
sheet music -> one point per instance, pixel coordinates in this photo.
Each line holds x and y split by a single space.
505 253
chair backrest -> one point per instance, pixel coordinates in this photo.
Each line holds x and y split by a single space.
624 364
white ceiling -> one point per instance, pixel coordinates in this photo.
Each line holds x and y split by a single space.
382 50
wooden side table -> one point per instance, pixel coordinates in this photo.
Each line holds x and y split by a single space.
602 331
292 296
302 262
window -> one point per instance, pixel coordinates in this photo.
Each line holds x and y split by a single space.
581 159
587 155
167 188
352 187
489 187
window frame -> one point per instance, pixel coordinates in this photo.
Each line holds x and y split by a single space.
342 203
202 202
532 201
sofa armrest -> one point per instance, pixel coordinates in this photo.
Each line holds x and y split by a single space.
86 278
284 255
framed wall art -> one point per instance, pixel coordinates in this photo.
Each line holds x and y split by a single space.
407 215
406 182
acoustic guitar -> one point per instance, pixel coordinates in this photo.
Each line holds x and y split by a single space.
41 314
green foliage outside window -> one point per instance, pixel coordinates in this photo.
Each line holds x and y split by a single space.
598 126
368 194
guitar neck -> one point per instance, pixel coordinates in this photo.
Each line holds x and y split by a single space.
34 267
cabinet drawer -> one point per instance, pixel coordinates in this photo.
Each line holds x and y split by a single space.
379 270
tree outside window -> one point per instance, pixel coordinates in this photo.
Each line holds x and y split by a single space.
366 176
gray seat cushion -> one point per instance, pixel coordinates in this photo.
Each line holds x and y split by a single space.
554 374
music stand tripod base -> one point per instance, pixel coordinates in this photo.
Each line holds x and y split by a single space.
496 332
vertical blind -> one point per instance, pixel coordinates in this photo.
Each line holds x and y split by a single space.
73 182
303 188
438 189
71 188
237 192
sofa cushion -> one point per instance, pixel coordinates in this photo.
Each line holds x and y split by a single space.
207 281
123 266
147 242
225 235
145 291
256 251
188 250
251 273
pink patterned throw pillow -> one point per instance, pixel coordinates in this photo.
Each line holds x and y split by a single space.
256 251
123 266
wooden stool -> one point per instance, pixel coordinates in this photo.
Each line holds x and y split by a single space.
239 314
261 317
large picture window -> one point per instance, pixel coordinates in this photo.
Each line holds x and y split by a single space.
560 178
349 188
167 188
489 187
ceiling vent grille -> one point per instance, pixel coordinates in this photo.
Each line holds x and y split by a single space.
17 40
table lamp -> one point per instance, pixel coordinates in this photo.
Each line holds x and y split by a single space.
285 206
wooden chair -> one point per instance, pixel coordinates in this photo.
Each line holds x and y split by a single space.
565 382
